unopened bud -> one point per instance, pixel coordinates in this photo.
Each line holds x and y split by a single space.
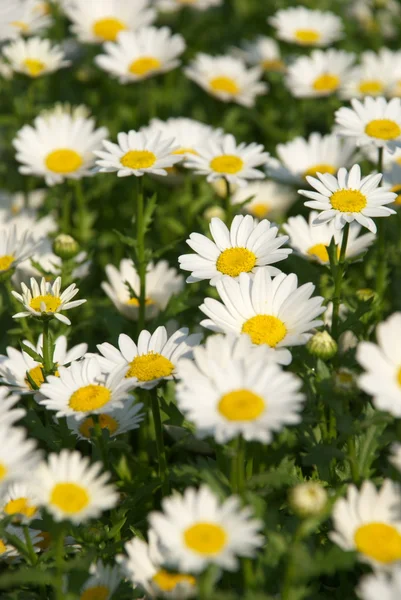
365 294
214 211
345 381
65 246
308 499
322 345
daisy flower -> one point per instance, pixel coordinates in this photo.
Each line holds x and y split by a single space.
10 553
18 455
9 414
102 583
116 422
368 521
227 78
58 147
25 205
248 396
272 311
96 22
246 247
381 586
15 247
174 5
142 54
223 157
348 197
72 489
45 300
265 53
82 389
320 74
306 27
162 282
311 241
373 121
137 153
268 199
16 502
21 17
35 57
374 76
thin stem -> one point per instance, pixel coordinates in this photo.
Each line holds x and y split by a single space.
65 212
228 205
141 258
47 349
33 557
237 475
59 559
83 232
352 459
338 274
381 245
100 442
161 451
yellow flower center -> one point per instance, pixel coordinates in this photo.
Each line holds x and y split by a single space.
51 303
227 163
148 367
383 129
144 65
6 261
307 36
185 151
108 28
138 159
234 261
379 541
20 506
241 405
320 252
273 65
3 471
3 547
21 25
135 302
397 190
70 498
98 592
36 374
205 538
88 398
259 210
265 329
399 377
348 201
64 161
320 168
326 83
224 84
371 87
105 422
167 582
34 67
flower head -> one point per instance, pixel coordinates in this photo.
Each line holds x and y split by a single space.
15 246
17 502
21 17
116 422
267 199
102 583
35 57
306 27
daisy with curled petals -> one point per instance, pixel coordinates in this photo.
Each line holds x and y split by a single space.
35 57
137 153
368 521
58 147
72 489
246 247
306 27
381 586
382 364
116 422
174 5
248 396
15 247
142 54
374 76
45 300
348 197
17 502
196 530
18 455
227 78
223 157
82 389
373 121
9 414
21 17
154 359
264 199
272 311
102 583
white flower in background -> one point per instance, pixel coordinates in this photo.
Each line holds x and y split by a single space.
369 522
58 147
263 52
223 157
348 197
21 17
377 16
246 247
389 158
16 502
116 422
95 22
311 241
272 311
374 76
306 27
268 199
137 153
382 364
308 498
381 586
82 389
320 74
373 121
102 583
307 156
75 111
45 300
248 396
18 455
197 530
174 5
141 54
8 552
392 179
15 247
9 414
154 359
227 78
162 282
71 488
35 57
20 204
395 458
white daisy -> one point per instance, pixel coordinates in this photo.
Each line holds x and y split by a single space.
197 530
21 17
95 22
116 422
102 583
248 396
271 311
265 53
10 553
142 54
174 5
382 364
369 522
268 199
246 247
26 205
18 455
381 586
35 57
15 247
348 197
9 414
82 389
227 78
16 502
58 147
70 488
374 76
306 27
45 300
311 241
162 282
373 121
320 74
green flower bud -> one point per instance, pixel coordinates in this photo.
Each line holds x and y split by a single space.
65 246
322 345
365 294
308 499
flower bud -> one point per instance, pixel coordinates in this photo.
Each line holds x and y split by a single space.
65 246
365 294
322 345
308 499
345 381
214 211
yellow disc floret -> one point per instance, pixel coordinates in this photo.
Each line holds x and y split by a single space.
348 201
207 539
383 129
47 303
265 329
148 367
138 159
69 497
64 161
226 85
307 36
227 164
144 65
241 405
167 582
105 422
234 261
90 397
379 541
108 28
6 261
326 83
34 67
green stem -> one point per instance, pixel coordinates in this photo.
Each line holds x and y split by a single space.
228 205
238 467
33 557
141 258
47 349
161 451
338 274
65 212
83 232
292 569
59 559
353 460
100 442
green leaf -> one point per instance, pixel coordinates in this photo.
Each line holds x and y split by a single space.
32 353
